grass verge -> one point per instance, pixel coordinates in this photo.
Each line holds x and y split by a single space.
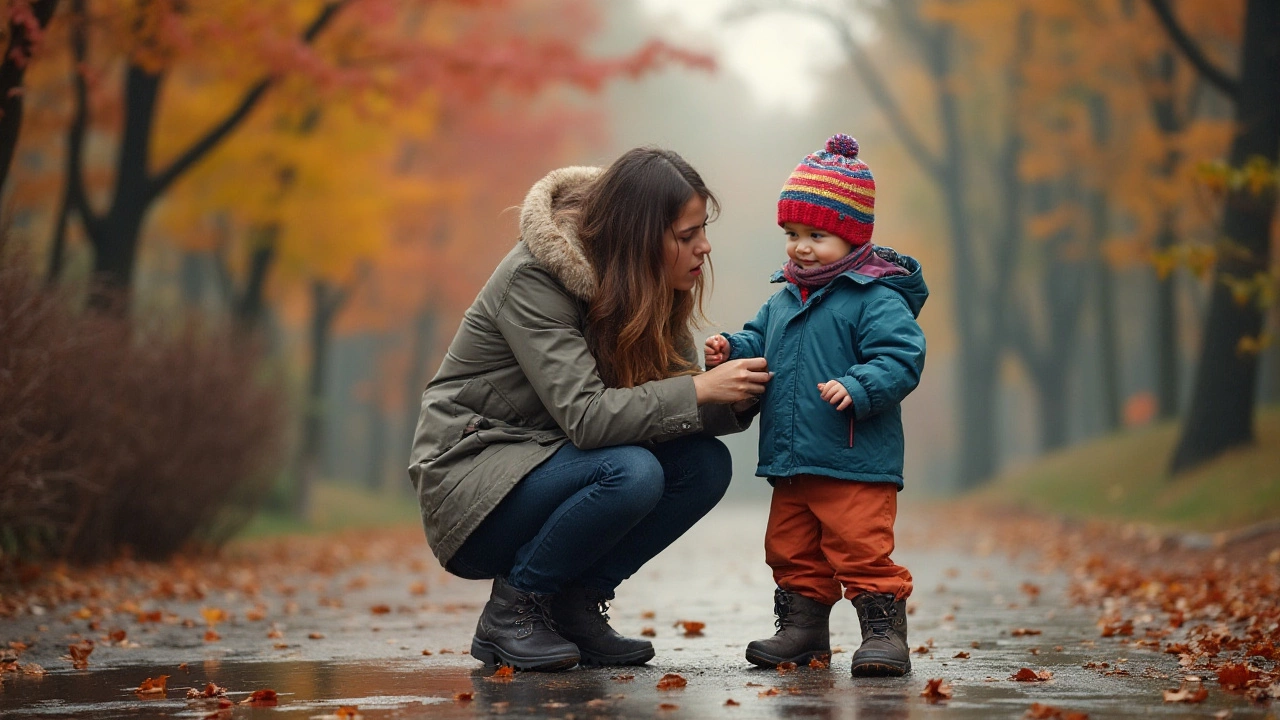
337 507
1124 477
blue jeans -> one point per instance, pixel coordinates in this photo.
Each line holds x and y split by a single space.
594 517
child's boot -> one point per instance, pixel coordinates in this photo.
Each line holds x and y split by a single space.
884 648
802 632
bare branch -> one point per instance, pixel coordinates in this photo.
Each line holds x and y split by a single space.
1216 76
865 69
210 140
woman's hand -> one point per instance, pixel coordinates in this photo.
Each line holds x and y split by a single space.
732 381
715 351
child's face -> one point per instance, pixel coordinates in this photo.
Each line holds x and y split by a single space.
810 247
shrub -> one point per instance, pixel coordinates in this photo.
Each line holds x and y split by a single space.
116 439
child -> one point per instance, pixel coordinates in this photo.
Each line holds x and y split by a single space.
845 349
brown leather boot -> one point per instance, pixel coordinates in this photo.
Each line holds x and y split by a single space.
884 650
803 632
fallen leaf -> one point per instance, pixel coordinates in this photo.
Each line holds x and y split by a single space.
922 650
117 636
962 655
80 653
936 690
820 662
32 669
1032 591
418 588
380 609
275 633
152 686
213 616
692 628
316 635
1236 677
261 698
426 652
672 681
648 632
648 615
1190 691
668 706
255 614
769 693
504 673
210 690
1029 675
463 697
1020 632
1049 712
731 703
211 635
786 667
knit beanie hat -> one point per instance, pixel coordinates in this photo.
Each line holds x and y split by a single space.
832 190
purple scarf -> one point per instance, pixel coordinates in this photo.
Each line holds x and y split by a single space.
862 258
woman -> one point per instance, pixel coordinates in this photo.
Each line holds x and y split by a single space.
567 437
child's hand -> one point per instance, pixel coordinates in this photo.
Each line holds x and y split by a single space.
716 350
835 393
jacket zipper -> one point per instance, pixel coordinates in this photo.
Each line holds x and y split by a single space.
851 421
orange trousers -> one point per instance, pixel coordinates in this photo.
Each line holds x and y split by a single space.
824 533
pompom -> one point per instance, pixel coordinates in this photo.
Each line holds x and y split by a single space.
841 144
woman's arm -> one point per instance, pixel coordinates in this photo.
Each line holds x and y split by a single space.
540 323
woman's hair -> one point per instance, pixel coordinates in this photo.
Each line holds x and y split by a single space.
636 321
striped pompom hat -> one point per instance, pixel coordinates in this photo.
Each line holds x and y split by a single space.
832 190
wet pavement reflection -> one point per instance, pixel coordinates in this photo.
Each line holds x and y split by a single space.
964 603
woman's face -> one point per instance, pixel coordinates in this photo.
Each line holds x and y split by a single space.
685 245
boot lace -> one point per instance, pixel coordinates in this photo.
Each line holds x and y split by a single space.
878 618
781 608
537 608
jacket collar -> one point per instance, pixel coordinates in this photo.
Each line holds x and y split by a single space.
553 242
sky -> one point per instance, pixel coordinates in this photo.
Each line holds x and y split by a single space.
779 57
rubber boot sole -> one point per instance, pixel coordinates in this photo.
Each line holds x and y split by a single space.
880 668
638 657
765 660
490 654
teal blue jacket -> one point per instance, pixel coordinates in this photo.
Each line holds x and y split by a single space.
859 330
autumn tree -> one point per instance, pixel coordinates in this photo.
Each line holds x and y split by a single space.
25 24
1221 413
381 48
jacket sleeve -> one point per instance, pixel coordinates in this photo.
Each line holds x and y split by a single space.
891 346
717 418
749 342
540 323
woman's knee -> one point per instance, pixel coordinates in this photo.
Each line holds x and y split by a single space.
636 469
708 462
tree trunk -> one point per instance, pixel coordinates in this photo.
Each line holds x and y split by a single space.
12 70
326 301
376 467
115 237
1168 375
1104 299
424 330
1221 413
250 304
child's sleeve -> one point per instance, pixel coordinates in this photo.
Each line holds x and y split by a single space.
891 345
749 342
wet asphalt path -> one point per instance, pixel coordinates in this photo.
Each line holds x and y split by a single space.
965 602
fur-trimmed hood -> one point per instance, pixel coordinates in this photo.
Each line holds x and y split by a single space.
556 244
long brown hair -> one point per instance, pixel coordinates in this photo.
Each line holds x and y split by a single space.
637 322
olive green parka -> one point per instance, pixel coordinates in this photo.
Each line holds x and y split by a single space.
518 380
